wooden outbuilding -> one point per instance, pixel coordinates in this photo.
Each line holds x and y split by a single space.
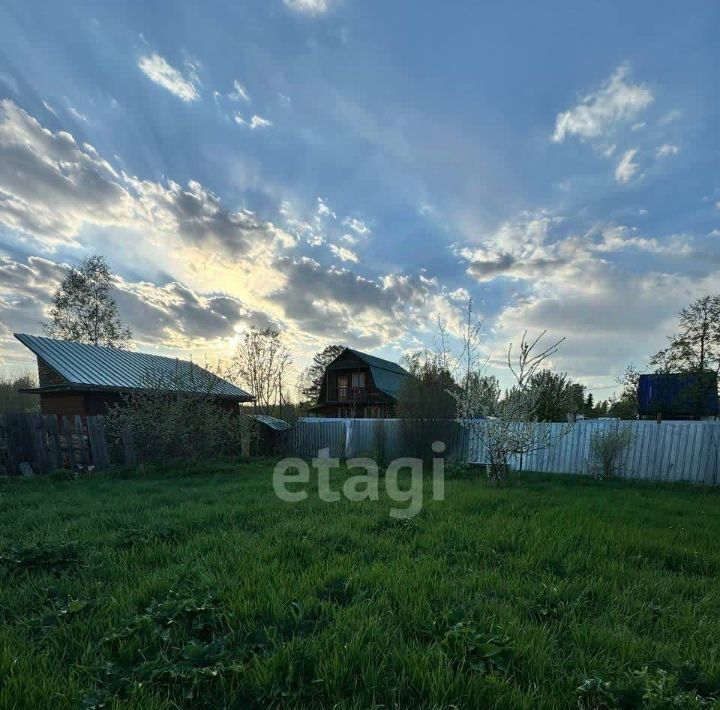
82 379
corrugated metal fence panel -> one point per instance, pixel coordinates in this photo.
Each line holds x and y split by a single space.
381 439
310 436
670 451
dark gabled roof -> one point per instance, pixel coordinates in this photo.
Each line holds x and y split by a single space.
387 375
272 422
84 366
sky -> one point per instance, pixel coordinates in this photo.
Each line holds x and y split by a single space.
349 171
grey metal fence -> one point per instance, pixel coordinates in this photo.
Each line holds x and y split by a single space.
669 451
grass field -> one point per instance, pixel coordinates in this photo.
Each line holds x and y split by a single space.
198 587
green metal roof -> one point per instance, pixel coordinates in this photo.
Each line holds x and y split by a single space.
85 366
387 375
272 422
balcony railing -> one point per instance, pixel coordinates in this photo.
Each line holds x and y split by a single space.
349 394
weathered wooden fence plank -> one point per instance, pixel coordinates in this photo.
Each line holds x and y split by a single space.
40 454
52 432
66 427
97 440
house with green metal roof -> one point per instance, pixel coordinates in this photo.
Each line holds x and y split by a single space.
83 379
362 386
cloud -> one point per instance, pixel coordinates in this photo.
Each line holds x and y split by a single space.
586 287
609 319
626 168
670 117
255 122
323 210
340 304
357 225
157 69
621 238
10 82
50 187
171 315
531 250
239 93
176 315
56 190
348 239
259 122
666 149
616 102
199 217
76 114
309 7
519 249
343 253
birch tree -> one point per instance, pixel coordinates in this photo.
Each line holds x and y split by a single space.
84 309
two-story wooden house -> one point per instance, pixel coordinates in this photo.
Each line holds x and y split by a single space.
362 386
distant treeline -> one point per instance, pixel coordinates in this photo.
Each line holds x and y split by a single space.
11 399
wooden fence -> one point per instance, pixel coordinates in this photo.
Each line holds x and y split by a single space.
47 442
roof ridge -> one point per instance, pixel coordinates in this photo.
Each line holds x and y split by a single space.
379 359
106 348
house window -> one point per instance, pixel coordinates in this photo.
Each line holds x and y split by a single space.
358 379
342 385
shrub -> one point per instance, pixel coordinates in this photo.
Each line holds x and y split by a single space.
607 449
172 426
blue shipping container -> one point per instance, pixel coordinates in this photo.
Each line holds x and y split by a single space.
685 395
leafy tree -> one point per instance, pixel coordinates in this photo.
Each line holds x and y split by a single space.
625 406
426 395
601 408
554 396
484 391
696 346
83 308
312 377
260 364
423 399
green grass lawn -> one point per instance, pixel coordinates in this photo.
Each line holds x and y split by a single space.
198 587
